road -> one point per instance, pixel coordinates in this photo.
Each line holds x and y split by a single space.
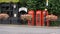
21 29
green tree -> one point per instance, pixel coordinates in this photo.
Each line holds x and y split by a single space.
23 3
54 6
35 4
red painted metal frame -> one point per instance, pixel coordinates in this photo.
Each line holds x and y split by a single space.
38 18
47 21
31 22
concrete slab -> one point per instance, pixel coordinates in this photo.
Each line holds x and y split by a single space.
24 29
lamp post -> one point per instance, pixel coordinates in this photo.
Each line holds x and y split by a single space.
14 6
46 2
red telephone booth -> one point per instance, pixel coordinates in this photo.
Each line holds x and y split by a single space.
31 22
44 20
38 18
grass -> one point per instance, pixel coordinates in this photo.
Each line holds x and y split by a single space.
9 1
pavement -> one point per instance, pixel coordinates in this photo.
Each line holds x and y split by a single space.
24 29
